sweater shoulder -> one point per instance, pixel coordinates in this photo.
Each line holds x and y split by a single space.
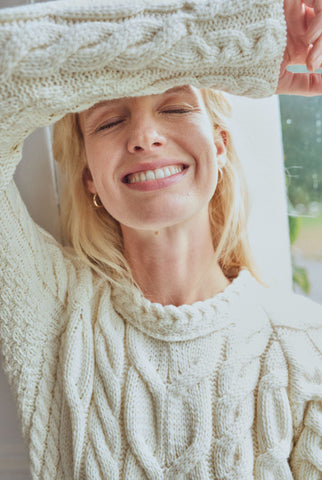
288 310
297 325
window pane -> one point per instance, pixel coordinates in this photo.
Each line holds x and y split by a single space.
301 120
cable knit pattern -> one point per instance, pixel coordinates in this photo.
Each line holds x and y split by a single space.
51 52
109 385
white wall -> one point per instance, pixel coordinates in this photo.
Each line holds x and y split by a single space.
257 133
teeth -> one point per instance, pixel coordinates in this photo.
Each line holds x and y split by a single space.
159 173
154 174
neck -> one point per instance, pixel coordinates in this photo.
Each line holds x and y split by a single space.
174 265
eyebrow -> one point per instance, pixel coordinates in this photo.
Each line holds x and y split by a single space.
182 88
101 104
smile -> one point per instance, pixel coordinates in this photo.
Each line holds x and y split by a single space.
156 174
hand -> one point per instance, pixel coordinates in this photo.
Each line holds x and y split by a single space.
304 47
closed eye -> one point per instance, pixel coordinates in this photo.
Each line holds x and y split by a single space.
106 126
176 110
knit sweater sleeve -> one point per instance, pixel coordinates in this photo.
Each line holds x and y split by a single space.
298 325
63 56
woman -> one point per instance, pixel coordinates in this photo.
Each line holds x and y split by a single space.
207 374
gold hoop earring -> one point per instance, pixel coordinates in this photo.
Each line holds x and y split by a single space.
97 201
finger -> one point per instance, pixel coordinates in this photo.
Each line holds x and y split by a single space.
307 84
310 15
314 58
309 3
314 29
315 4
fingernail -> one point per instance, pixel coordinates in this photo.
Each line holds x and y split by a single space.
316 63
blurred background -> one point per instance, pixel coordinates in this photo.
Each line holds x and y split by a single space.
301 120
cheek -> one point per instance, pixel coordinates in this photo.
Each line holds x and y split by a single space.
199 137
205 154
206 167
99 163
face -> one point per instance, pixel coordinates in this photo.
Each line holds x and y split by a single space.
152 160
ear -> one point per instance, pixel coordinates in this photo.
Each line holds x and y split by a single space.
221 146
88 180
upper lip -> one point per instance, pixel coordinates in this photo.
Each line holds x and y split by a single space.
152 165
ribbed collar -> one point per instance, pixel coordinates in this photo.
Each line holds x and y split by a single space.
186 322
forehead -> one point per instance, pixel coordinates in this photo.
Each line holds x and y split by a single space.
184 90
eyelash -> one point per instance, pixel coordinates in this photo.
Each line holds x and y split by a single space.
176 110
107 126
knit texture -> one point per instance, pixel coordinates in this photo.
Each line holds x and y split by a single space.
109 385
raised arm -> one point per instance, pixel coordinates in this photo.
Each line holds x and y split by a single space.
64 56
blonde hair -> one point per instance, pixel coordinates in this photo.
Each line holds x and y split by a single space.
96 236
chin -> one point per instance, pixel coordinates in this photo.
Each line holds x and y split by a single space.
156 221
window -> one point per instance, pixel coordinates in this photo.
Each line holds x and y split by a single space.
301 120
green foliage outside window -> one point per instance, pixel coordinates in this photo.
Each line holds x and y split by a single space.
300 276
302 139
301 120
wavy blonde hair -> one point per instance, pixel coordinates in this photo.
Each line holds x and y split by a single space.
96 236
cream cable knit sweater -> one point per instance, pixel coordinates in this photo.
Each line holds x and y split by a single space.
108 385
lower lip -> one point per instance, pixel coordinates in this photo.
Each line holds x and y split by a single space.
158 183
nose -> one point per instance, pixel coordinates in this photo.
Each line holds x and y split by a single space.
145 136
